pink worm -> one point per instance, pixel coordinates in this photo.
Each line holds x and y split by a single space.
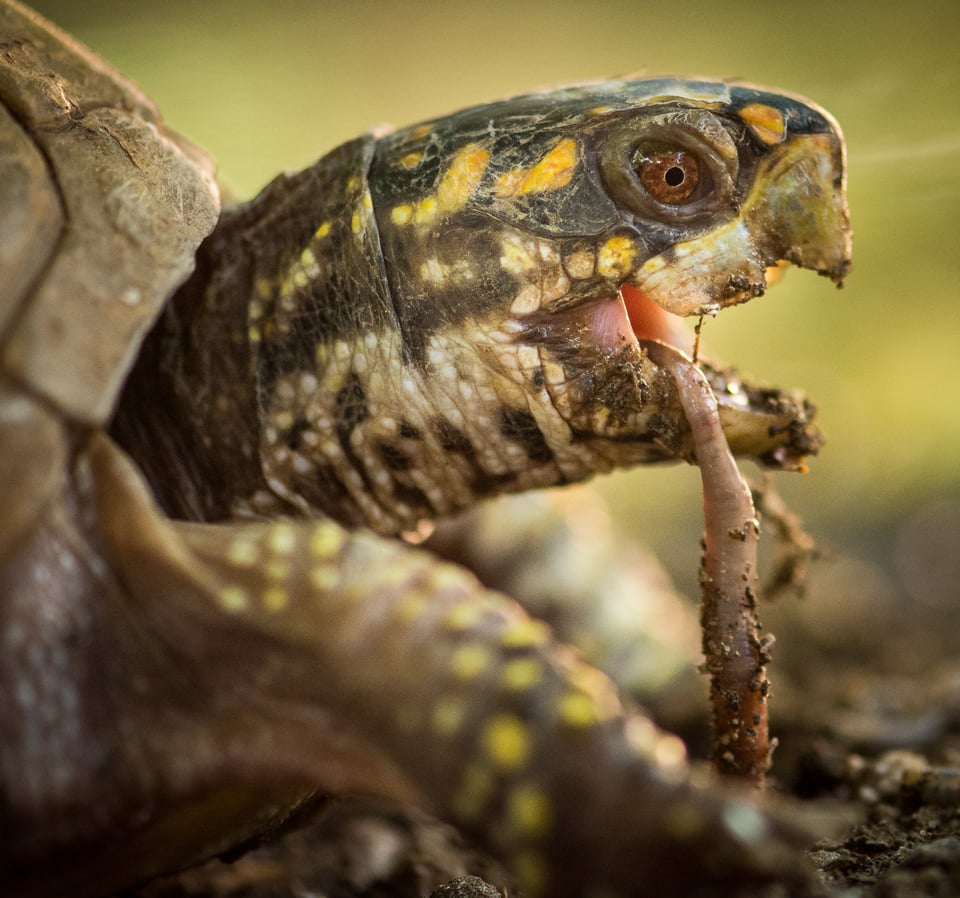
734 653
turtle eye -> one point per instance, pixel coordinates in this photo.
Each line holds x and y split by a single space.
670 176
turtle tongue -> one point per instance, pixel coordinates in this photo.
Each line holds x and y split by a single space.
631 316
648 321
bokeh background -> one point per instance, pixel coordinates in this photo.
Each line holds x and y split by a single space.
270 86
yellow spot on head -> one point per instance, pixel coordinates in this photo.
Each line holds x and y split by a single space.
507 742
275 598
553 171
521 674
234 599
766 123
411 160
579 264
616 256
421 131
356 223
402 214
469 660
425 212
322 231
433 271
462 177
529 812
516 254
307 258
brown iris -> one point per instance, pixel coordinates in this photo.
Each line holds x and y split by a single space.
670 176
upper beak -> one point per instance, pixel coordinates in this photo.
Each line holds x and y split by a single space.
797 209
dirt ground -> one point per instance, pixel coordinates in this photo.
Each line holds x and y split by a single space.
866 709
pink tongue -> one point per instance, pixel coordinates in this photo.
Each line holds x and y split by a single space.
647 319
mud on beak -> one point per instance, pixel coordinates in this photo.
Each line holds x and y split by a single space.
796 210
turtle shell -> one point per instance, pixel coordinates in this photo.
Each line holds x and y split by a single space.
101 212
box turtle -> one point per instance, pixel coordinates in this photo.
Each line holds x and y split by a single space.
215 427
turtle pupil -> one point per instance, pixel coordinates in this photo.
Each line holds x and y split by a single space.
674 176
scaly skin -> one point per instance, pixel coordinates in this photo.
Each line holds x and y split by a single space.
418 321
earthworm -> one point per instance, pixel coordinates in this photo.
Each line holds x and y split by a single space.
734 652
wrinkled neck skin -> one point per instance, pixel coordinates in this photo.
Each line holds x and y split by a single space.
325 360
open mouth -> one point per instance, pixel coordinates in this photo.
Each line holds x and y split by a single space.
774 426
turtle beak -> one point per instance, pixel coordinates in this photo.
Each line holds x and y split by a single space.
795 210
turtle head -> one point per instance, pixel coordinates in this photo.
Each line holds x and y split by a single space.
463 307
565 228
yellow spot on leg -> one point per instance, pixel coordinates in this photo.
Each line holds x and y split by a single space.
474 793
531 872
469 660
447 717
278 569
529 811
324 578
523 633
326 540
577 710
463 616
234 599
243 552
507 741
521 674
275 598
410 607
283 537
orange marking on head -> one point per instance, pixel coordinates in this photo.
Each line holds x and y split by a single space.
766 123
553 171
463 177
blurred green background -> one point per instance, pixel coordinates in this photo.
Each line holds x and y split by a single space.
270 86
